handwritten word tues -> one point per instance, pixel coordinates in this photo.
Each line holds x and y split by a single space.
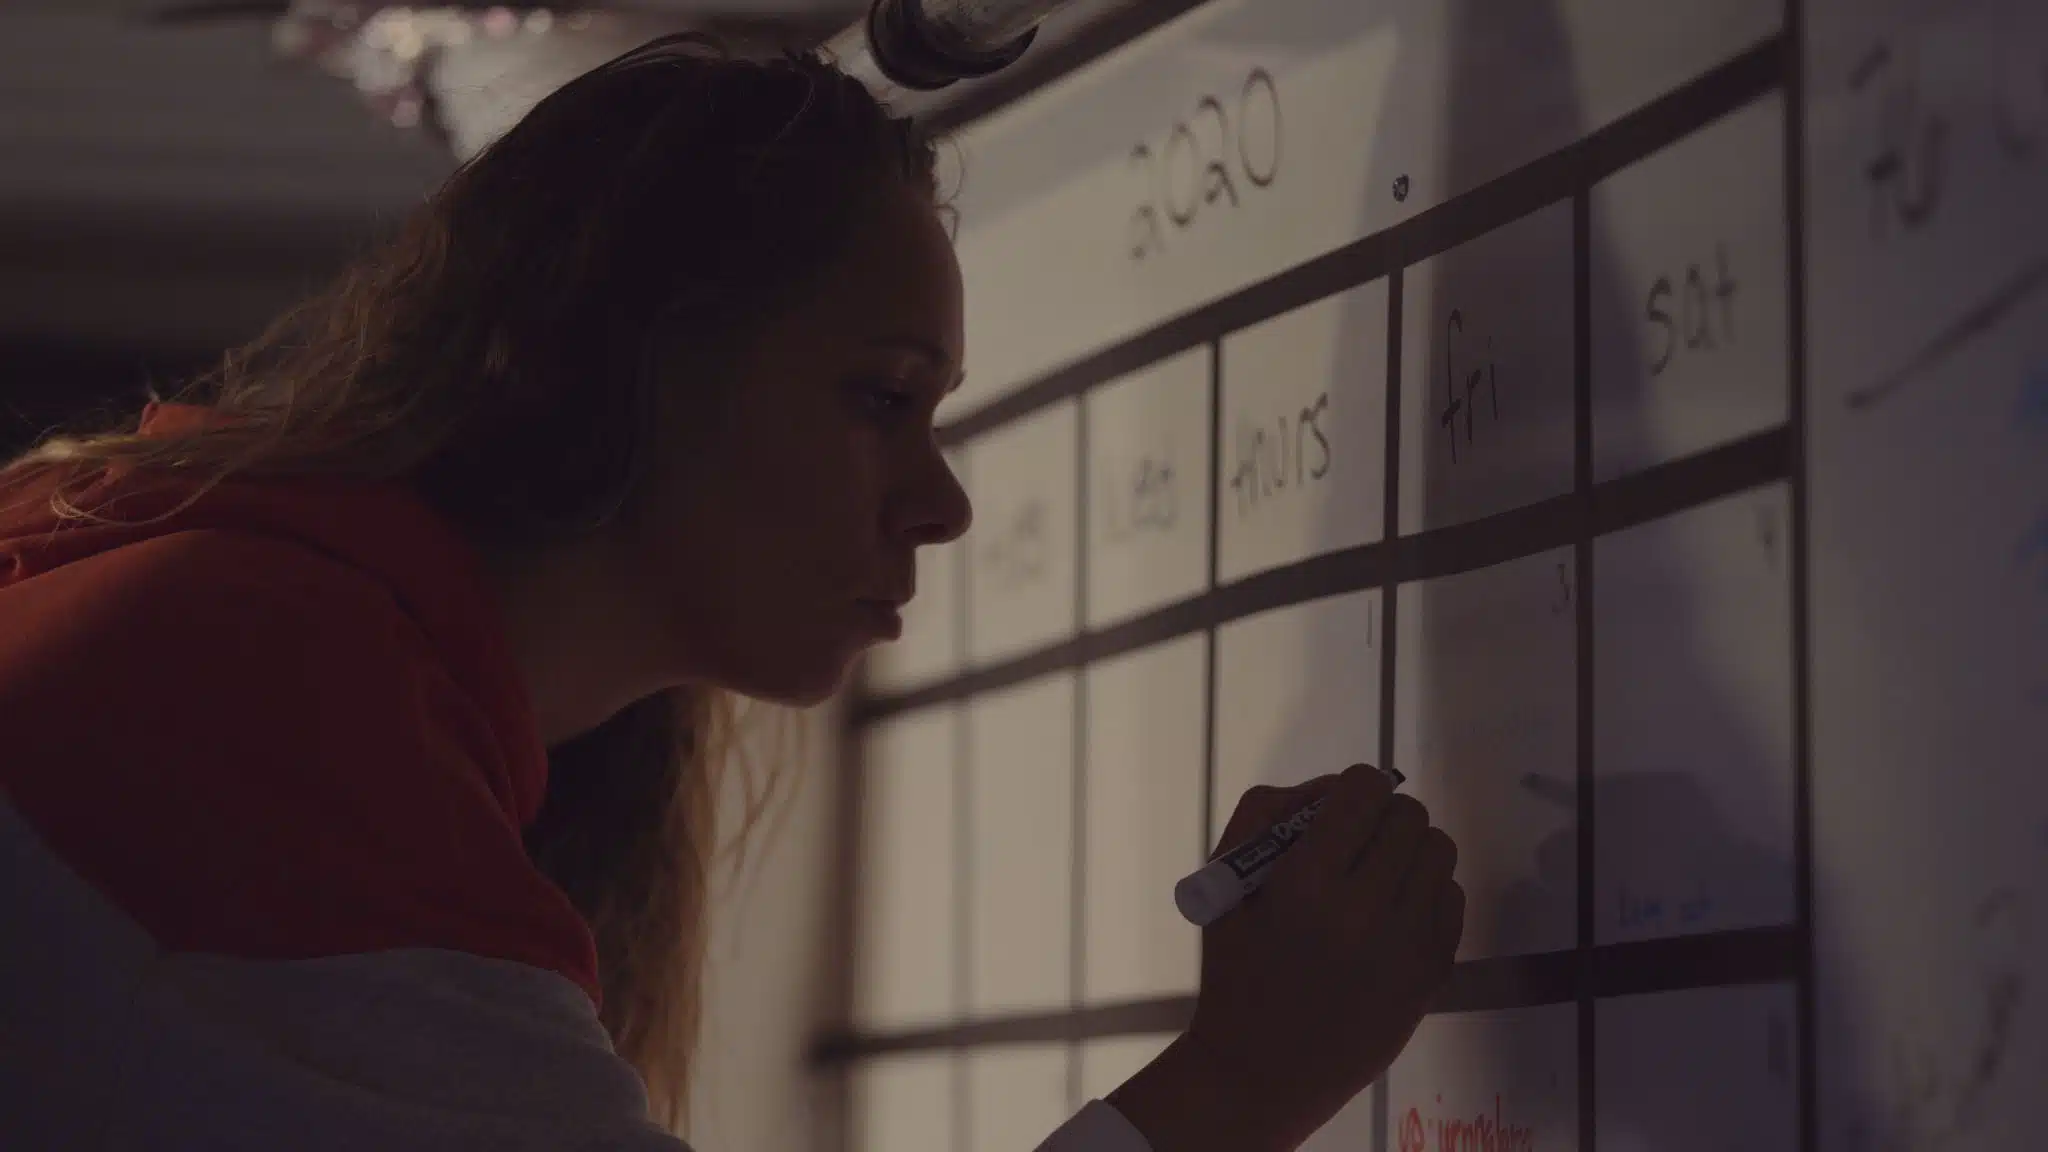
1140 496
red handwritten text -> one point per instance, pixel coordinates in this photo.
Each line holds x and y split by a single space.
1482 1133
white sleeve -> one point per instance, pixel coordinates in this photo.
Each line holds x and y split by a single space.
1097 1127
109 1042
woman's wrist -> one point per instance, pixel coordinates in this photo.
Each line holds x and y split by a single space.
1184 1101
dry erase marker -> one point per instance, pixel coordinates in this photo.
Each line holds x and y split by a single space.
1218 886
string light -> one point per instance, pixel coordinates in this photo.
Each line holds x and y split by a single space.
386 50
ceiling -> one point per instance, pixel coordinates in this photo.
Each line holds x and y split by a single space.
169 186
173 184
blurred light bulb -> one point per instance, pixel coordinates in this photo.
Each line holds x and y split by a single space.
290 37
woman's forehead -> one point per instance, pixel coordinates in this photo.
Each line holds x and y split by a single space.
899 281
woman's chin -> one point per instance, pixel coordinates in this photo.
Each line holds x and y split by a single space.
799 684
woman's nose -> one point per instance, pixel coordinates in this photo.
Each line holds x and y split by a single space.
935 509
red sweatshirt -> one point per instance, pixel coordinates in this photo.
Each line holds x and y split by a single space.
266 762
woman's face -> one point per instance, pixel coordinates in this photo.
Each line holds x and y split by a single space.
780 537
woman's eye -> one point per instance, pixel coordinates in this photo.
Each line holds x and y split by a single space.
882 399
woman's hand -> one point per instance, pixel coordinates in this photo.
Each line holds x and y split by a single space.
1315 983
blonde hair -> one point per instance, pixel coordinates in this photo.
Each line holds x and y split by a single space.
497 357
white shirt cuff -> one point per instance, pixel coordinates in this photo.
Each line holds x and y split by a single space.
1097 1127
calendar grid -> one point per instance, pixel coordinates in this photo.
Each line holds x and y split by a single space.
1553 179
1651 494
1588 972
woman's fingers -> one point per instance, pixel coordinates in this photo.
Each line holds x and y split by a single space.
1431 906
1382 865
1263 806
1450 921
1350 816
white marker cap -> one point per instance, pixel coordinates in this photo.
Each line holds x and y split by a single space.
1208 893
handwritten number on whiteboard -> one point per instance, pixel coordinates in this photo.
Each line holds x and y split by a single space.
1181 143
1217 177
1564 590
1767 532
1194 167
1145 235
1260 85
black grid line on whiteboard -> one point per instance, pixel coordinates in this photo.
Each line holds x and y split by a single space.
1213 561
1745 956
1806 1035
1582 658
963 843
1077 910
1587 972
1390 516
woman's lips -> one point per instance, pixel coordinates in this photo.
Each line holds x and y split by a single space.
886 618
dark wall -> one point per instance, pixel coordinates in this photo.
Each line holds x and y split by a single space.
46 382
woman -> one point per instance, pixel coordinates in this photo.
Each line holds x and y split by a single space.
362 710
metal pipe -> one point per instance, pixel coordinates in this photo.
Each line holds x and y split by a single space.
928 44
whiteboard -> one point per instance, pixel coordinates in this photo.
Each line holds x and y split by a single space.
1628 420
904 1102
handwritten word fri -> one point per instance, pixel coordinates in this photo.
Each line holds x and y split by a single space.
1469 377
